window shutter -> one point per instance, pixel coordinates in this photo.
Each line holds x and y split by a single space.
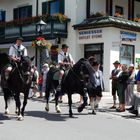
62 6
45 6
29 11
3 13
16 13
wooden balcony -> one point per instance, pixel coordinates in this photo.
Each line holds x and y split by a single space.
27 29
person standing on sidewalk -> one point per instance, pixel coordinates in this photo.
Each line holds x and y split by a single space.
115 72
122 85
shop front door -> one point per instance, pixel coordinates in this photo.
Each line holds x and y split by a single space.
95 50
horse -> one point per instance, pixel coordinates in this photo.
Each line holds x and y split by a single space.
75 80
19 81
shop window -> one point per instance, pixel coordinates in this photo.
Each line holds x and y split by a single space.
2 15
53 7
127 54
23 12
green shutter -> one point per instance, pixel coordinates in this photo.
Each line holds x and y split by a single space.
45 6
3 15
30 11
16 13
62 6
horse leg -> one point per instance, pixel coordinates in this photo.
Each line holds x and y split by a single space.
6 100
58 110
24 103
82 106
16 109
70 104
18 104
47 95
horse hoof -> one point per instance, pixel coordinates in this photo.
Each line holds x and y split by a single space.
80 109
58 110
47 109
71 116
20 118
7 111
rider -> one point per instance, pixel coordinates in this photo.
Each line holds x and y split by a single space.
65 59
15 52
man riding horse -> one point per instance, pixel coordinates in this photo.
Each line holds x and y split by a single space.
65 59
16 51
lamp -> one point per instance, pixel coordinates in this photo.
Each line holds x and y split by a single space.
40 26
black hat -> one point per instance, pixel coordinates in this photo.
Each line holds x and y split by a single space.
64 46
20 38
95 63
116 62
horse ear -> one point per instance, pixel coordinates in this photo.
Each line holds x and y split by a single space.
32 58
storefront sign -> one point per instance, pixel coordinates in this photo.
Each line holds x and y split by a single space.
128 36
90 34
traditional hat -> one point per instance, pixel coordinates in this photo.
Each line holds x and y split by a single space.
65 46
131 65
45 65
95 63
20 38
116 62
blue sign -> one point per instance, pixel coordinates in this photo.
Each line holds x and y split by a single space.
128 36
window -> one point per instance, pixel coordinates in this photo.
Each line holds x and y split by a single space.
127 54
23 12
2 15
119 9
53 7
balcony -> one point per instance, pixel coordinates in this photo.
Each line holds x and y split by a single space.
56 28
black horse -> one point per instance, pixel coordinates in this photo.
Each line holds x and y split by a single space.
74 81
19 81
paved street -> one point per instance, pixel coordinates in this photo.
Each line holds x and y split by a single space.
38 124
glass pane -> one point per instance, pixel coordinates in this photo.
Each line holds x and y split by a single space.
23 12
54 7
126 54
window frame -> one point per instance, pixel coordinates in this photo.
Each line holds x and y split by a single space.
48 6
17 12
128 58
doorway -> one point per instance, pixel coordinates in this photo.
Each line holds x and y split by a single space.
95 50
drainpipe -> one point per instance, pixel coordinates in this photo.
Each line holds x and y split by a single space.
36 33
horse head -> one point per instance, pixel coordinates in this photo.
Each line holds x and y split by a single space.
84 70
25 67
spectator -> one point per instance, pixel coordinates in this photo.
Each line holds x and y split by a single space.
115 72
130 85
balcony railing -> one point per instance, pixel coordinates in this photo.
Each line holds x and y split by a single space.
27 28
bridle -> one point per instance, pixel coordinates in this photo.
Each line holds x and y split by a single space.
81 73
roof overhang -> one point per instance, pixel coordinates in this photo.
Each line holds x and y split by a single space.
108 21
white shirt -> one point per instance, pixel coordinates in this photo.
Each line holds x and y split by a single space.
62 56
14 51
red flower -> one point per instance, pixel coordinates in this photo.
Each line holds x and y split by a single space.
40 38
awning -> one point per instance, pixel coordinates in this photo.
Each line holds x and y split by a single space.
108 21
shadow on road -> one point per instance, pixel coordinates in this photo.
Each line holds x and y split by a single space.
47 116
3 117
